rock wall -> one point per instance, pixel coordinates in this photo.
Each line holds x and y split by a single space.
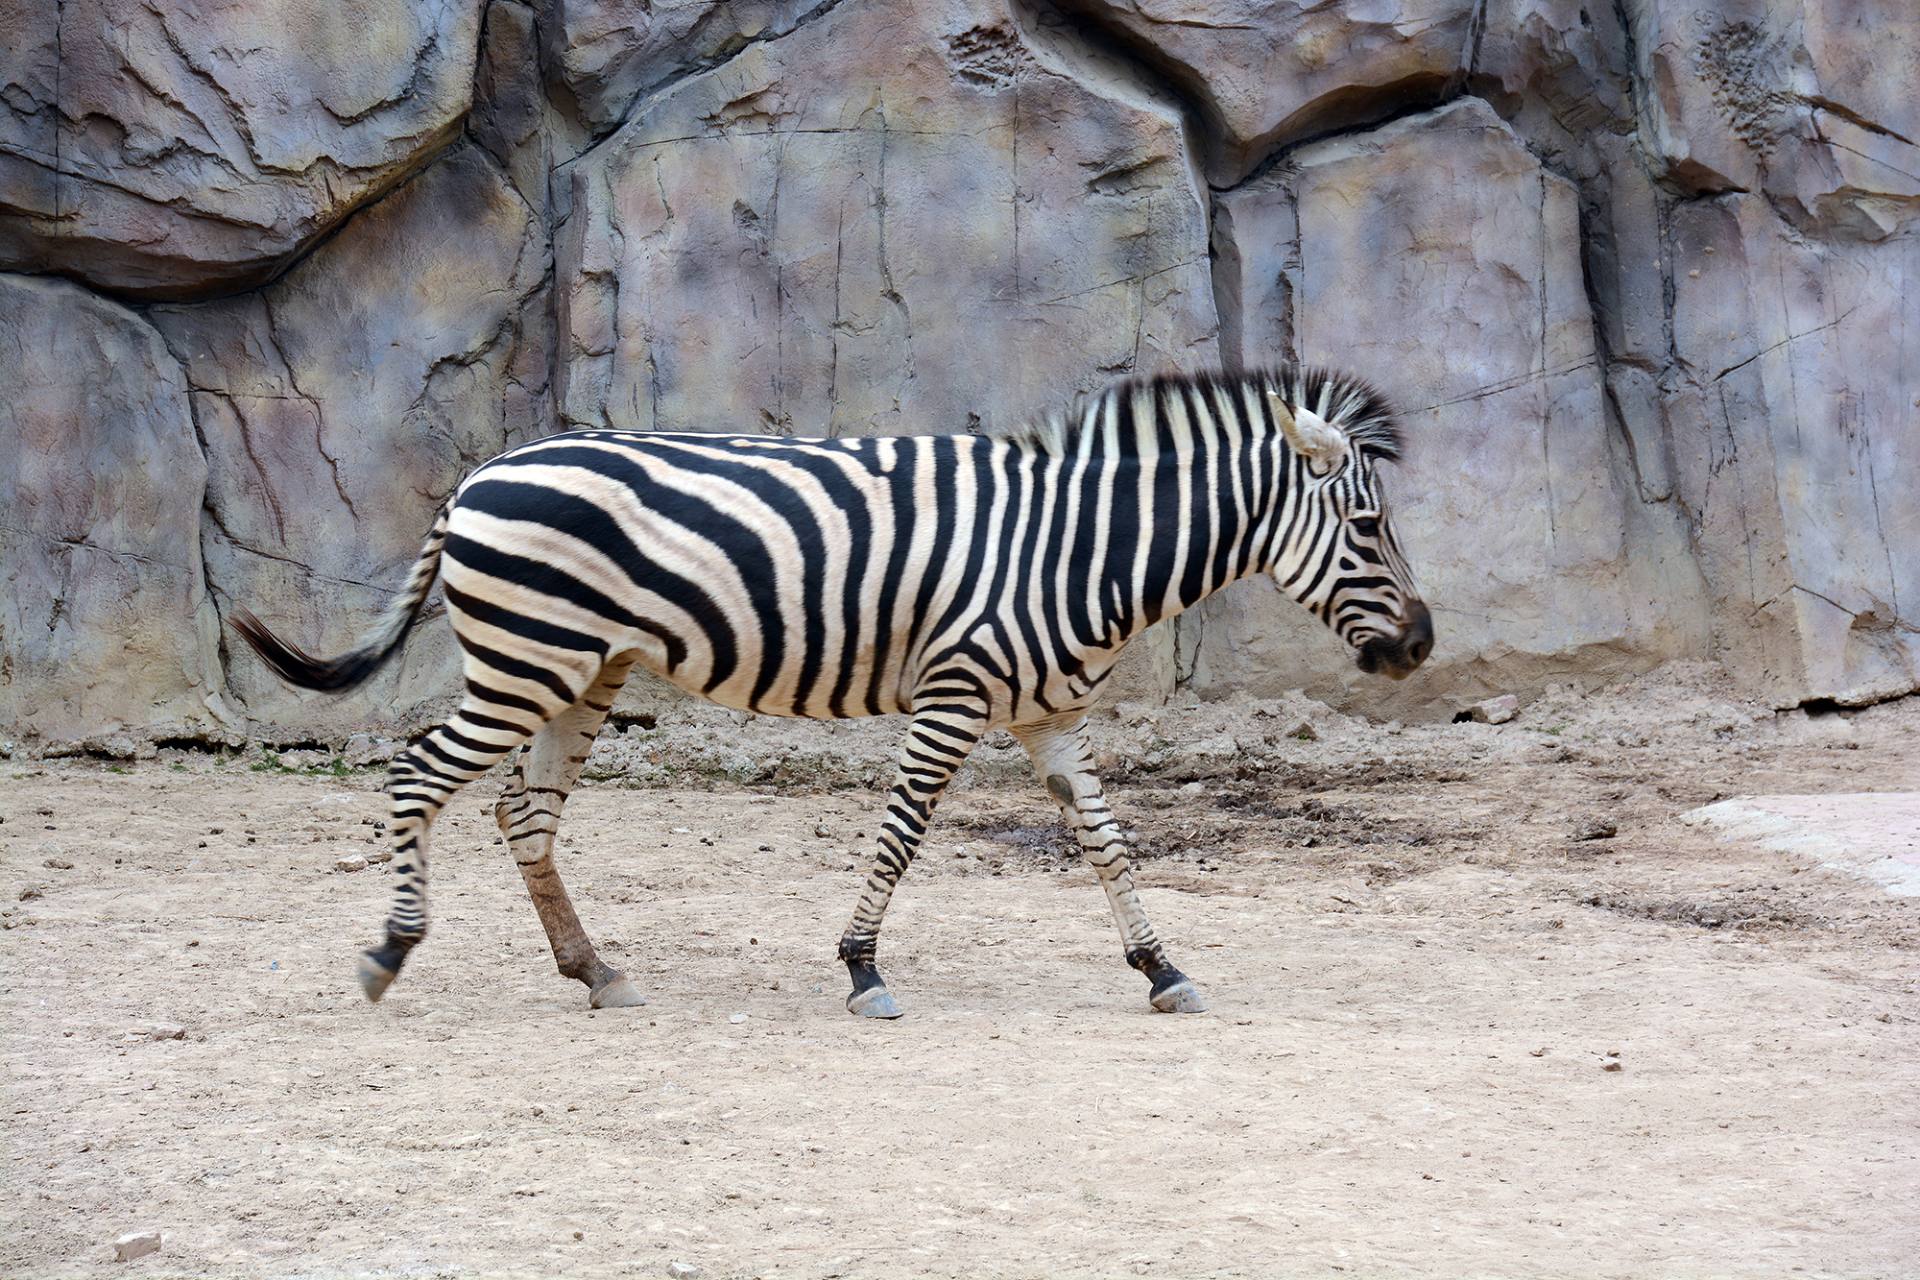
1643 276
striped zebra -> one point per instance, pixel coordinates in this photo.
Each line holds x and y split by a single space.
969 582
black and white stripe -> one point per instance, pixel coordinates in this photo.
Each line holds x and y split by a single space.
968 582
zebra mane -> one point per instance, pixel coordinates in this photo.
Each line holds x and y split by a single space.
1347 402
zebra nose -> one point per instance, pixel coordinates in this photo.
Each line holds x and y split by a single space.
1419 641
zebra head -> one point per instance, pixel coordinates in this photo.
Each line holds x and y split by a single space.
1339 557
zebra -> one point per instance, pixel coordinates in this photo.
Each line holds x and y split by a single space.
969 582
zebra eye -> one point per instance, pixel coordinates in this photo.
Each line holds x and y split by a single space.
1366 527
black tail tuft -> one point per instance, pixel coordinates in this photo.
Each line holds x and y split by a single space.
349 670
297 666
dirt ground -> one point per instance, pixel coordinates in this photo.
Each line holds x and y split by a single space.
1449 1036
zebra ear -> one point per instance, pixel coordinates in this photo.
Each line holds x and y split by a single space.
1321 443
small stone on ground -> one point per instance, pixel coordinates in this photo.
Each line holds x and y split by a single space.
1496 710
136 1244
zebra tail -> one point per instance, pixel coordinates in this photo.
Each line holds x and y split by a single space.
336 675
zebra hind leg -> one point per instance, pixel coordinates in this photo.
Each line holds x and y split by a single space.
420 782
529 818
1064 762
938 743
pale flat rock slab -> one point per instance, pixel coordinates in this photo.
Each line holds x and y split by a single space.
896 220
173 150
105 622
1871 834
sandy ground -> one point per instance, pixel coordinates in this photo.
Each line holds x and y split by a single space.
1448 1037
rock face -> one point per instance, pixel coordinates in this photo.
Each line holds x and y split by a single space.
1796 434
609 53
897 220
106 624
343 403
180 149
1812 104
1265 74
1638 274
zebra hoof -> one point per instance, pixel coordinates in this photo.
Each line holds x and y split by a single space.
375 977
874 1002
616 993
1180 997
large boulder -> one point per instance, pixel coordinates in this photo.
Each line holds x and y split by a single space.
106 626
343 403
1436 257
897 219
1794 433
180 149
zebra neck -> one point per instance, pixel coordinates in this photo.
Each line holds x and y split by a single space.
1206 482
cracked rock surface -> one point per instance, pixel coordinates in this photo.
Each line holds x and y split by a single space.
106 624
899 219
1639 273
179 149
342 404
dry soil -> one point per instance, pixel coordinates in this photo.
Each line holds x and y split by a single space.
1449 1036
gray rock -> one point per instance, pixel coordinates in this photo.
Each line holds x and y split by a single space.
136 1244
1809 102
363 749
1267 74
848 230
1795 448
173 150
610 53
351 862
511 119
106 629
342 404
1301 730
683 1270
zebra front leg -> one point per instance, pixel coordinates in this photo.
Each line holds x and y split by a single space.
529 818
938 743
1064 762
420 782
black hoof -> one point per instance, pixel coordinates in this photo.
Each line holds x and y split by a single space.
870 998
1174 992
380 966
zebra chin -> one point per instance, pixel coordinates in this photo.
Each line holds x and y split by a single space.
1399 656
